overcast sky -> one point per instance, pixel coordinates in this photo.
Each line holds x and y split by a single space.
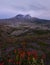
36 8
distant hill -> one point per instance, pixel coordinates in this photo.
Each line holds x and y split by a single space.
23 18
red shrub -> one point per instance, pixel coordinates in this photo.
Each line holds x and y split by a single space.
19 50
35 54
28 58
18 63
22 54
29 53
14 50
9 60
2 63
43 56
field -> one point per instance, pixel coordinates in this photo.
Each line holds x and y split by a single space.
24 46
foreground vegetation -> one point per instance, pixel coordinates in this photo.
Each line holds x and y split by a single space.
29 48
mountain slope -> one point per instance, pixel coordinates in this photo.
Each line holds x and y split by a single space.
24 18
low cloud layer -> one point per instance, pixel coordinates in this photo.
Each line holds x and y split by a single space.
36 8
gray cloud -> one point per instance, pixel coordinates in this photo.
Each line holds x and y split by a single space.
36 8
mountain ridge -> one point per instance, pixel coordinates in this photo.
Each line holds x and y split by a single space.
23 18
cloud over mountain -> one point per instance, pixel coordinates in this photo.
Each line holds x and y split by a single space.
36 8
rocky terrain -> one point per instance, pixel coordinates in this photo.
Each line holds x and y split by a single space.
25 32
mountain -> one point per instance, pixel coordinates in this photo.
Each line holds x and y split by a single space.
24 19
32 34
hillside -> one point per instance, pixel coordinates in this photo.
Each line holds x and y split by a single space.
26 33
